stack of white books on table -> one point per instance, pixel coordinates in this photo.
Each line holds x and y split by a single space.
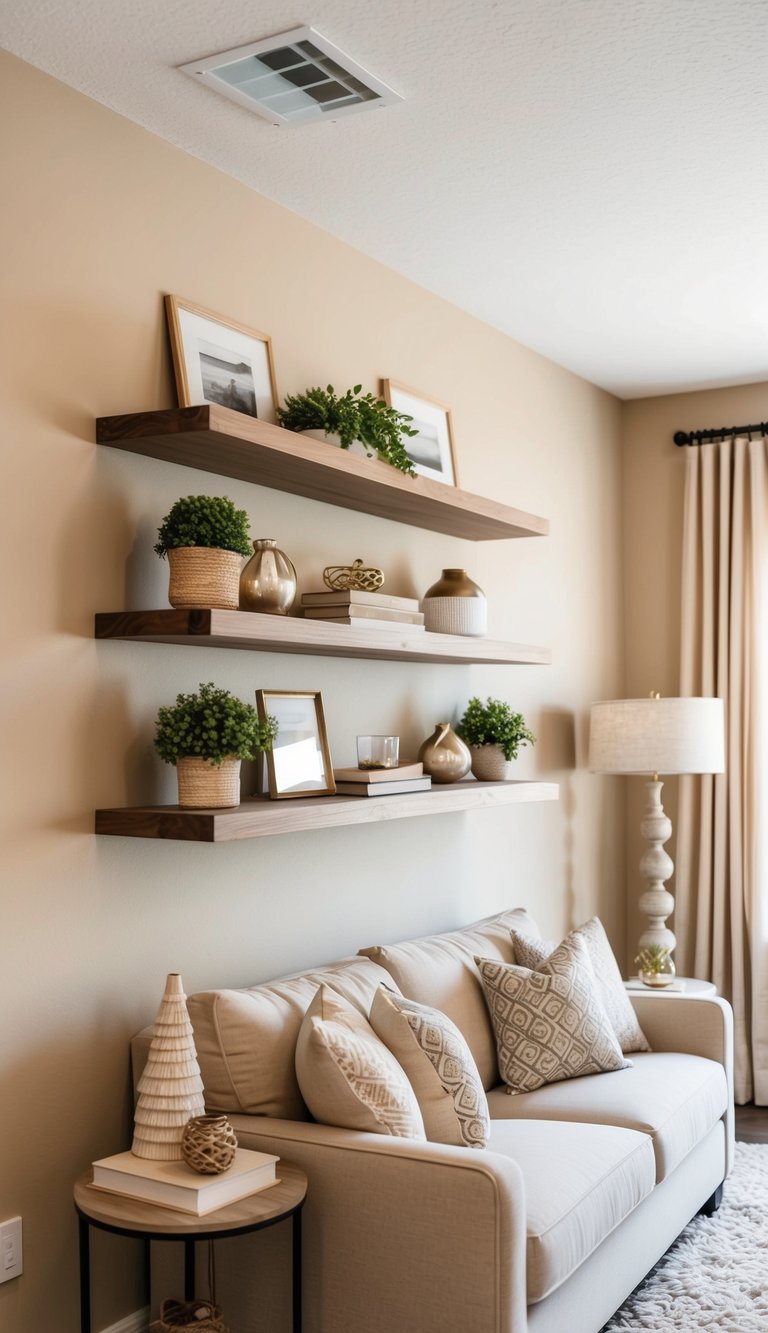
176 1185
381 781
371 610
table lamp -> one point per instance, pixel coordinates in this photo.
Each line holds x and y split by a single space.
656 736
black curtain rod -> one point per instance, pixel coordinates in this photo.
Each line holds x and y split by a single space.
704 436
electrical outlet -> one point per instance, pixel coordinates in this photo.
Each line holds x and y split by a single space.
10 1249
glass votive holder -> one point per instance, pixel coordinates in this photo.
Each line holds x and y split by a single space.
378 751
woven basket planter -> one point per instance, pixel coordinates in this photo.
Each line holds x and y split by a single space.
203 785
175 1316
489 764
204 576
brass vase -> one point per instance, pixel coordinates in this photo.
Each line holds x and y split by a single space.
455 605
444 755
268 582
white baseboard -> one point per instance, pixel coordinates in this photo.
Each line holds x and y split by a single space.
138 1322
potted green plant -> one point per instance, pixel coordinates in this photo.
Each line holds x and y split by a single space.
351 418
655 966
494 734
205 736
204 538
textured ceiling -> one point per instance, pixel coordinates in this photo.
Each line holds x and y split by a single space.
586 175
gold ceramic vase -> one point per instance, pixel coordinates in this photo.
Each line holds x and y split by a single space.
444 755
268 582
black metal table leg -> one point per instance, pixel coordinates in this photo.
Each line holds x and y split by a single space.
296 1271
189 1270
85 1276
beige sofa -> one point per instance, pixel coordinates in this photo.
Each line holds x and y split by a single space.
584 1184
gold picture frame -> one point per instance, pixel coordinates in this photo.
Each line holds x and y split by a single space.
299 763
432 451
216 360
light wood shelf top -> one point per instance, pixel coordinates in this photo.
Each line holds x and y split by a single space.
294 634
263 817
231 444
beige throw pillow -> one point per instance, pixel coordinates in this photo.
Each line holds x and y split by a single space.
549 1023
439 1066
348 1077
531 952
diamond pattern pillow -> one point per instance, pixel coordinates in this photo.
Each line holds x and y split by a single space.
439 1066
348 1077
531 951
549 1023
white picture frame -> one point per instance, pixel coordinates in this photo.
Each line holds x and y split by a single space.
216 360
432 450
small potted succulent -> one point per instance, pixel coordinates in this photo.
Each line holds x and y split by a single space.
204 537
205 736
494 734
349 418
655 966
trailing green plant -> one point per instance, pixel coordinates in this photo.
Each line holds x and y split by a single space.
494 723
653 959
204 520
370 420
212 725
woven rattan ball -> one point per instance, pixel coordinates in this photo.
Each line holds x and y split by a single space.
208 1144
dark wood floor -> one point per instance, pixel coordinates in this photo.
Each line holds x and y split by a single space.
752 1123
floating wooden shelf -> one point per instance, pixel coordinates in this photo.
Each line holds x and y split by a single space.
261 818
289 634
231 444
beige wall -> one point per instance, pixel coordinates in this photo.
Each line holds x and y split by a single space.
654 474
99 220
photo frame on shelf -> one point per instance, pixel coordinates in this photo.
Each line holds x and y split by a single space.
432 450
216 360
299 763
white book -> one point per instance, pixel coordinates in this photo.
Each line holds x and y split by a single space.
399 626
394 788
176 1185
358 597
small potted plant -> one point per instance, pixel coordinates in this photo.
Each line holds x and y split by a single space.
204 537
494 734
655 966
350 418
205 736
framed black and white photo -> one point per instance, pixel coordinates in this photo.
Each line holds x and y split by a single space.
218 361
299 763
431 451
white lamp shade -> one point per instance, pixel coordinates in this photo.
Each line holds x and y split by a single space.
657 736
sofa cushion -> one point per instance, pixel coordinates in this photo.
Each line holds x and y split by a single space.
246 1039
440 970
581 1181
530 951
439 1067
347 1075
549 1024
674 1098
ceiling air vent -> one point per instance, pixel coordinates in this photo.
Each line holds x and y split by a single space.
295 78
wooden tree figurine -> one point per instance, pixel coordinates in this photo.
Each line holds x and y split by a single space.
170 1088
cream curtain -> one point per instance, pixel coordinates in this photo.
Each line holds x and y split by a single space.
721 914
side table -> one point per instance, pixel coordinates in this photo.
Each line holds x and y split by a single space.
149 1221
680 986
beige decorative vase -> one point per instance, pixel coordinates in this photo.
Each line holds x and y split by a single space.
444 755
455 605
203 785
268 582
170 1087
202 577
208 1144
489 764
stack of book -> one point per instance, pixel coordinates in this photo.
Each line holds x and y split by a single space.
374 610
176 1185
381 781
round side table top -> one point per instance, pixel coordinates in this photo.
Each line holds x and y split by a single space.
136 1215
680 986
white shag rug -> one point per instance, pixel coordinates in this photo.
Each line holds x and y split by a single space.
714 1279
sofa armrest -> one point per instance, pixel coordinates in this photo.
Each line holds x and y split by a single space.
695 1025
402 1234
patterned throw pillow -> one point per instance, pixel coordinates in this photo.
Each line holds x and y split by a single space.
348 1077
531 952
439 1066
549 1024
